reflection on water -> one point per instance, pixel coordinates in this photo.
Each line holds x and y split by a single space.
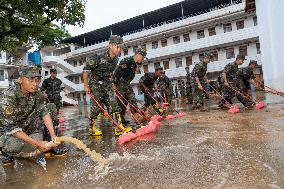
202 150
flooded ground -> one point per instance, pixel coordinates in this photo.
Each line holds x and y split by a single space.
202 150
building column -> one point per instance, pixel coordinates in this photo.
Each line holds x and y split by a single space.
270 18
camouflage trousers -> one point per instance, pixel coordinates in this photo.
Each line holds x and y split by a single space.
167 95
189 94
55 100
105 95
198 95
54 116
127 92
148 98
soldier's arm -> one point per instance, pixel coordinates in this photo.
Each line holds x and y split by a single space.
117 74
43 86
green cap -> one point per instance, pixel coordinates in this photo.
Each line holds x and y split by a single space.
141 51
208 54
53 70
115 39
30 72
158 68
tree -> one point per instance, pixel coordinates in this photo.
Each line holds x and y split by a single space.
52 36
24 20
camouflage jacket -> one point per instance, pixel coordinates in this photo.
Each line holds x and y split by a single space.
101 67
245 74
231 70
163 83
125 71
18 112
148 79
52 87
188 79
199 71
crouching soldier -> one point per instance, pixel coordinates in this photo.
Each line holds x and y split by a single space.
23 116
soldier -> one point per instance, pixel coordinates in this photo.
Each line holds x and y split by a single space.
100 69
52 87
182 89
164 87
230 80
245 77
146 83
124 74
23 116
188 86
198 78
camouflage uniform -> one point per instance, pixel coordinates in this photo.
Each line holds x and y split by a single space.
244 75
199 71
52 88
182 88
231 73
19 112
148 79
165 88
188 88
123 75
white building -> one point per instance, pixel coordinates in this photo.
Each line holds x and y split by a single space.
175 37
9 65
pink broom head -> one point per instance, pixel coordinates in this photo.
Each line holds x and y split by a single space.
164 105
260 105
181 114
60 113
169 117
234 109
61 120
156 118
154 124
148 137
126 137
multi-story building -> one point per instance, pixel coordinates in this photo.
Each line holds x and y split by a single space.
174 37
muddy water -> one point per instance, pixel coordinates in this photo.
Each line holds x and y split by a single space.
202 150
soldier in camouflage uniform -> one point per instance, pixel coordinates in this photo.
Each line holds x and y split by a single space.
198 79
164 87
245 77
124 74
188 86
23 115
148 80
52 87
100 69
182 89
230 80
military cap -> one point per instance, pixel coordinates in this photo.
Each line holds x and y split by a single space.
241 56
115 39
253 62
30 72
208 54
53 70
158 68
141 51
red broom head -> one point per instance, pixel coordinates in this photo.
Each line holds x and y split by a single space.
169 117
165 105
156 118
181 114
126 137
234 109
60 113
260 105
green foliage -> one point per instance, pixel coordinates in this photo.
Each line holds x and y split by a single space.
24 20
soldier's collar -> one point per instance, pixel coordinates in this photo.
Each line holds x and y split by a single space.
20 92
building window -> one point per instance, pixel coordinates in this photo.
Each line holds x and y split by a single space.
186 37
166 65
156 65
240 25
164 42
145 68
230 53
176 39
135 48
227 27
215 56
201 56
258 48
144 47
2 75
243 50
255 21
188 60
211 31
125 51
200 34
155 45
178 62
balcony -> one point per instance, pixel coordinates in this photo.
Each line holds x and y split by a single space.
59 62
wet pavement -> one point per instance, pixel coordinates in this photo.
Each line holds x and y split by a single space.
202 150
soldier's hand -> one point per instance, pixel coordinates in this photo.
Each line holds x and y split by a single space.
42 145
200 87
87 89
226 84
